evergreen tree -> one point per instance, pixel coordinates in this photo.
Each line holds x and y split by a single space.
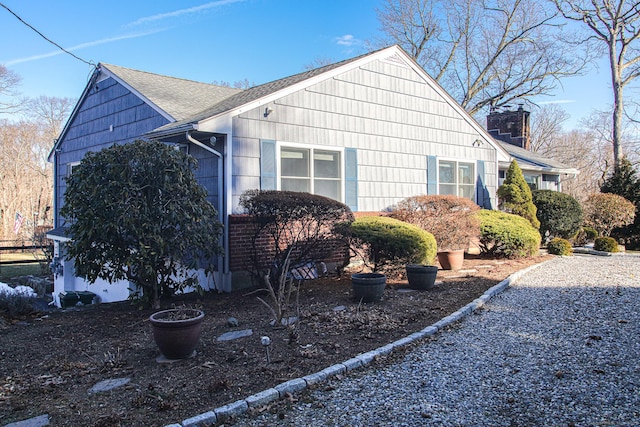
625 182
515 195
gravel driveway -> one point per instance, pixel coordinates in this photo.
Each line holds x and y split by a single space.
560 348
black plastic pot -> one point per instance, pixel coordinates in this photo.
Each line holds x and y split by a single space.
368 287
421 277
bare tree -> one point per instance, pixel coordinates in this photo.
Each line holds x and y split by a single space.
484 52
614 24
546 127
10 101
26 178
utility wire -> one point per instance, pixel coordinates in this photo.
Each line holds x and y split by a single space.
45 37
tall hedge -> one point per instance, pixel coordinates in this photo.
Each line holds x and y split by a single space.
507 235
560 215
515 195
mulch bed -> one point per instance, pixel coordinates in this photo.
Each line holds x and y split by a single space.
49 363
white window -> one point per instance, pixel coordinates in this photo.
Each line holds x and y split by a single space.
457 178
311 170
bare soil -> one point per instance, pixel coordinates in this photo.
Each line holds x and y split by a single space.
48 363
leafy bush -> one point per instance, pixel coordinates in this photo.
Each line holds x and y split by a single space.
560 215
136 212
559 246
507 235
515 195
451 219
606 244
389 243
605 211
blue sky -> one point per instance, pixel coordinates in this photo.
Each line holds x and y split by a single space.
222 40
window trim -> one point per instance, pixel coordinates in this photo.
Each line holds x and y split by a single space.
311 148
457 162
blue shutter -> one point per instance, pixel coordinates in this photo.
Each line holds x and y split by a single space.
351 178
482 194
432 175
268 168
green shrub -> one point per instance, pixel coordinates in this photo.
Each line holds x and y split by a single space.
451 219
389 243
507 235
560 215
515 195
559 246
606 244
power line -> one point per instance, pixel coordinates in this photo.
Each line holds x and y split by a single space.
45 37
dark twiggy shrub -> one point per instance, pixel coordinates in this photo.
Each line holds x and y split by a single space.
451 219
292 228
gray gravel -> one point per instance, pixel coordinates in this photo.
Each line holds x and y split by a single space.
559 348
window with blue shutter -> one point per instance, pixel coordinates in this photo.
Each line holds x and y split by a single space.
351 178
432 175
268 169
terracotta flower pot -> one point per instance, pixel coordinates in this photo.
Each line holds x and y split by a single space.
451 260
177 331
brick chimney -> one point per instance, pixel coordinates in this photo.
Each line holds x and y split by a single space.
511 127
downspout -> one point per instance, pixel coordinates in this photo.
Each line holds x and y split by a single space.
225 235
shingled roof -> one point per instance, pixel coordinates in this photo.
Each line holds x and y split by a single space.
531 160
254 93
179 98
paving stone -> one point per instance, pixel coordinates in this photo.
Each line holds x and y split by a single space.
39 421
262 398
233 335
109 384
207 417
232 409
291 386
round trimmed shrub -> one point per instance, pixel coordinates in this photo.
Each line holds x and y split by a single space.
507 235
606 244
391 243
560 215
559 246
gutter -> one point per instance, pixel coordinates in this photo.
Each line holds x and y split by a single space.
223 261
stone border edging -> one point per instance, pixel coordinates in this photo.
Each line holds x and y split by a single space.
281 390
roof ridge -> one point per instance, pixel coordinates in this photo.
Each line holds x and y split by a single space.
111 66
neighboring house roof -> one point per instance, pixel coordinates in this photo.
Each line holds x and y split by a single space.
530 160
176 97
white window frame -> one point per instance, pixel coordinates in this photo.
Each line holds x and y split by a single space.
457 184
311 148
70 167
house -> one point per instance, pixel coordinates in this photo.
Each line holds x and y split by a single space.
368 131
511 130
